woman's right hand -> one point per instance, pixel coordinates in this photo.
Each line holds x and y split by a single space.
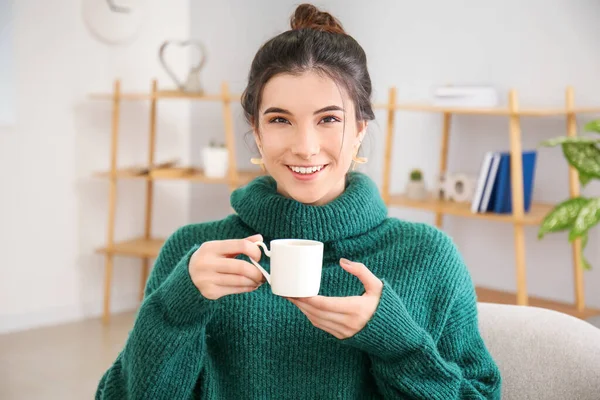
216 273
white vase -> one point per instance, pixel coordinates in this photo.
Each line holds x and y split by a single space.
215 161
416 190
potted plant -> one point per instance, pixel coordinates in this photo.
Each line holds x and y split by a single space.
415 188
215 158
577 215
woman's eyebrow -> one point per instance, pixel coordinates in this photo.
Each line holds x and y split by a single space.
276 110
321 110
329 108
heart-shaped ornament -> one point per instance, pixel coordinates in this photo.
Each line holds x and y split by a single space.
192 82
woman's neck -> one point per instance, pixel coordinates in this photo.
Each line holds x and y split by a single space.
356 210
331 195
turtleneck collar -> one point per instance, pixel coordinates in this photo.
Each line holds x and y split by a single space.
357 210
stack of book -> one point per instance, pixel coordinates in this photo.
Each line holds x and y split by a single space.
465 96
493 192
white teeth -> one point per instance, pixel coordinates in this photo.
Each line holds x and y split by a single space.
305 170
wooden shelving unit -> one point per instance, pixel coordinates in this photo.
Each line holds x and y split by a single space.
533 217
148 247
518 218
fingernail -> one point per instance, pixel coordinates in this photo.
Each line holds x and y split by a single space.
344 261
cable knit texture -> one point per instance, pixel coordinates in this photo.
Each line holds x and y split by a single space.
422 342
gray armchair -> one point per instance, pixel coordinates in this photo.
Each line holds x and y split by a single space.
542 354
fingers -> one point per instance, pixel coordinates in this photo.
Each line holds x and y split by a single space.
312 311
326 321
234 247
236 281
339 305
239 267
371 283
214 292
329 327
215 271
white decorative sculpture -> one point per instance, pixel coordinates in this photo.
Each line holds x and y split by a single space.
458 187
192 83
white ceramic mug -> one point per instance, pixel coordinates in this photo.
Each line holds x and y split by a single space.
296 266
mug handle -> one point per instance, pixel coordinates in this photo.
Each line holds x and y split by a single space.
257 265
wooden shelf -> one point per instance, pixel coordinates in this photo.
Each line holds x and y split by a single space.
125 173
533 112
486 295
139 247
197 175
152 171
165 94
173 94
534 217
122 96
191 174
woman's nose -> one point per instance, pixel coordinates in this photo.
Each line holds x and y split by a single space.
306 143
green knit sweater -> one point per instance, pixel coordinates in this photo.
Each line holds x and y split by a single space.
422 342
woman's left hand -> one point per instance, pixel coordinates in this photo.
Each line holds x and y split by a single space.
343 317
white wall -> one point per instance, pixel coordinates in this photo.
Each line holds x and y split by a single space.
52 214
6 65
537 47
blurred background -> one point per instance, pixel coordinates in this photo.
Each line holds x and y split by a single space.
77 100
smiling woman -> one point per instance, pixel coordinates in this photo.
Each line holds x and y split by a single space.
7 78
307 134
308 102
396 313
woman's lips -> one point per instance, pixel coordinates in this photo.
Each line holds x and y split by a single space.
309 176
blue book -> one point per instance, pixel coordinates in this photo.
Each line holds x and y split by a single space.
502 194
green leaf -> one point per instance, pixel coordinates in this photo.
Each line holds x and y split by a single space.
592 126
562 216
584 179
570 139
586 265
584 157
588 216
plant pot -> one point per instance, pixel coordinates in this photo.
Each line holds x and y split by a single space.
215 162
416 190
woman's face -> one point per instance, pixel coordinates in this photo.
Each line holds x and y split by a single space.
307 135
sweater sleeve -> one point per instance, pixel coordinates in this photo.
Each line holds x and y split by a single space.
408 362
165 350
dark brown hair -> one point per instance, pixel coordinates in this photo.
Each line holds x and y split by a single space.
316 42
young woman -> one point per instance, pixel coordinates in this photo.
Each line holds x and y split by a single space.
397 321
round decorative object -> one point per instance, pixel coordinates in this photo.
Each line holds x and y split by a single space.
113 22
460 187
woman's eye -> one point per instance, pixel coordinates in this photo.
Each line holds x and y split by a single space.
279 120
330 119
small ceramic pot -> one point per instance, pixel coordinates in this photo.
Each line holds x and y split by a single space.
416 190
215 162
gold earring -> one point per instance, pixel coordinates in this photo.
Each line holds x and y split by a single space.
258 161
358 160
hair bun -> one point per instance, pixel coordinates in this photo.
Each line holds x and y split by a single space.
308 16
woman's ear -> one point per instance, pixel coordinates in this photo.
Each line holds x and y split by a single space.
257 140
362 130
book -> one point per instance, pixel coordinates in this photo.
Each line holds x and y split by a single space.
465 96
490 182
502 191
481 181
